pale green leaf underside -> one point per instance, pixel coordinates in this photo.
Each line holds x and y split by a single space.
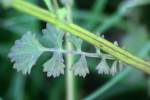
80 67
25 53
54 67
77 42
113 69
52 36
103 67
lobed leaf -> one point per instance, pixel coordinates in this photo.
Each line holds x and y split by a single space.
81 68
77 42
25 53
113 69
53 36
54 67
103 67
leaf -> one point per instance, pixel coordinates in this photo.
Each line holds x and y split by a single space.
80 68
113 69
25 53
103 55
19 23
98 51
54 67
52 36
62 13
48 4
77 42
120 65
103 67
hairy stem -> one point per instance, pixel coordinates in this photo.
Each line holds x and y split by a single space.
105 45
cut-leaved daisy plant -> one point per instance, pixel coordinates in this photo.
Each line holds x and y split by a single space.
64 41
28 49
25 53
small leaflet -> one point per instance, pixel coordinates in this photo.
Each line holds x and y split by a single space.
113 69
80 67
25 53
52 36
103 67
54 67
77 42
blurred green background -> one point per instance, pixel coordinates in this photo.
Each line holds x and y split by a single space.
131 30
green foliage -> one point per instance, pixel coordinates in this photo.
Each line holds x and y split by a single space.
76 42
103 67
48 4
18 24
80 67
25 53
76 30
110 21
52 36
114 68
27 50
54 67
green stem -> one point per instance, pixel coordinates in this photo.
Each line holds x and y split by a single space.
69 60
101 43
68 45
69 74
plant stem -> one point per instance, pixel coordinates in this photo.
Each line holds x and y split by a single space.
101 43
69 74
68 46
69 59
93 55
